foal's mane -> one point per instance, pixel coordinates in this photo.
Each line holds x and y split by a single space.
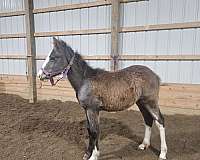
79 63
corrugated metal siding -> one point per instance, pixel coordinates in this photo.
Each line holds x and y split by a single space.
53 3
165 42
171 71
159 12
11 5
78 19
12 46
12 67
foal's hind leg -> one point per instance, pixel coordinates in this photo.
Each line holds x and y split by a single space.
148 124
153 108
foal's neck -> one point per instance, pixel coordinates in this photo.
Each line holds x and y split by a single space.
80 71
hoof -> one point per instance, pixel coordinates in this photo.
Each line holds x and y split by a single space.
161 158
143 146
92 157
162 155
86 156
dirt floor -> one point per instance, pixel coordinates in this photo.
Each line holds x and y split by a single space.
53 130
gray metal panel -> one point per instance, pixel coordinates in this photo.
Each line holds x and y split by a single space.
171 71
13 46
85 44
134 13
159 12
43 45
185 72
11 5
84 18
188 41
175 42
68 20
164 9
41 4
196 72
53 3
197 42
76 43
100 64
76 19
13 24
12 67
39 64
191 9
96 64
87 18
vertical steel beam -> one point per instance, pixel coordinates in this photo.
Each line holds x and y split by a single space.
31 51
115 20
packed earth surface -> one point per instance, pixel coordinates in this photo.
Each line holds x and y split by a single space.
55 130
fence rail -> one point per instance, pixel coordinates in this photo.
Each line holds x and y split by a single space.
186 25
124 57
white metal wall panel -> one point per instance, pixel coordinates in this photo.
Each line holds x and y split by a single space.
96 64
16 46
9 25
171 71
12 67
159 12
100 64
166 42
87 18
197 42
11 5
12 46
43 45
174 42
39 64
53 3
85 44
78 19
196 73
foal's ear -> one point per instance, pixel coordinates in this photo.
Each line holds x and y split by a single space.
55 42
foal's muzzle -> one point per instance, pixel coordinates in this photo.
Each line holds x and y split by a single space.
44 75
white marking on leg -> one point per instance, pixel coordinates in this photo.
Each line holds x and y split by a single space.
95 154
147 136
163 141
44 64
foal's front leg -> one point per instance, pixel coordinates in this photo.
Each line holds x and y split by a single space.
92 116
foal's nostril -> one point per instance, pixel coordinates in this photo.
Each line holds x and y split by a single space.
42 76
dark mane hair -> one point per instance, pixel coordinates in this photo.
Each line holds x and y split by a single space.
79 63
88 71
80 69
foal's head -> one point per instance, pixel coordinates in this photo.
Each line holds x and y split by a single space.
58 60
